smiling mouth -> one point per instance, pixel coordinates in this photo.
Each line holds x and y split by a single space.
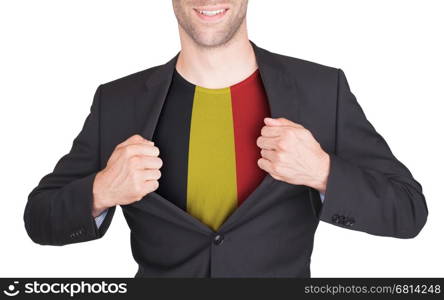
211 15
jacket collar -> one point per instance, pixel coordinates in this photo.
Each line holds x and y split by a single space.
280 87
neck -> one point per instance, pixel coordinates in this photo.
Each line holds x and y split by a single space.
216 67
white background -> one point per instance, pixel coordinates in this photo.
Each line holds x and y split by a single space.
54 54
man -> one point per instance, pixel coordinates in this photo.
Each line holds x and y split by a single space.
224 160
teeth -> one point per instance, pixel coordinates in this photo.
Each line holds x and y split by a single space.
211 12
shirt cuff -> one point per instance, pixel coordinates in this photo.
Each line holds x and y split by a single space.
99 219
322 196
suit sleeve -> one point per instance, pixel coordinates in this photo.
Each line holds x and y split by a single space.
368 189
59 208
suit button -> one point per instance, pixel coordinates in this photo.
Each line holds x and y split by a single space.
350 222
218 239
335 218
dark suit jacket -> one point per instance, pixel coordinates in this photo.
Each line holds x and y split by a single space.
271 233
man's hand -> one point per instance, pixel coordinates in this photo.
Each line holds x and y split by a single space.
290 153
131 172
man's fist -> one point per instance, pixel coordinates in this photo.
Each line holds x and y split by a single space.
290 153
131 172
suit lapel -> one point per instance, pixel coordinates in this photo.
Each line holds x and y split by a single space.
149 103
282 96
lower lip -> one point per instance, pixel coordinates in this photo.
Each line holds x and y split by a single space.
211 18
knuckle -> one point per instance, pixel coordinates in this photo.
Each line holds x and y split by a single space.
303 133
277 168
134 161
136 137
273 167
307 133
279 156
290 133
281 144
286 133
154 185
119 148
127 150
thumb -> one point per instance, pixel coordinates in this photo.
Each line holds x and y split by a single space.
279 122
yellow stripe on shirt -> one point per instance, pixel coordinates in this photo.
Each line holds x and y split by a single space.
211 186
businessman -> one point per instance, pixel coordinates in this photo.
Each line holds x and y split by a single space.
224 160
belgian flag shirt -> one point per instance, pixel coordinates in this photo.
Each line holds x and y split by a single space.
207 142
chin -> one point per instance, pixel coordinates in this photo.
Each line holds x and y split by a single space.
210 39
210 43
